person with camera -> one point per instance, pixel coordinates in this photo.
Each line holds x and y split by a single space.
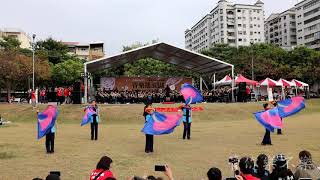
280 169
148 110
166 170
260 170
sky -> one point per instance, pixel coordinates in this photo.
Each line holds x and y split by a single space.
115 22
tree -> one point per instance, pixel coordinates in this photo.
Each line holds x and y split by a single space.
15 69
55 51
67 72
271 61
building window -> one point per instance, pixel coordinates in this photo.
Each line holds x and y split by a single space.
240 40
251 33
238 10
244 25
239 25
251 26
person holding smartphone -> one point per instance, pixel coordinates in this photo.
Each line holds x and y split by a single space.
148 110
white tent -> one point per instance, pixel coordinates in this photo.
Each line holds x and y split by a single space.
225 81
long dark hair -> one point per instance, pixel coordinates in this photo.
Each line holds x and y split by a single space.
104 163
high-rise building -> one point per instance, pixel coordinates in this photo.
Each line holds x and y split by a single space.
20 35
233 24
308 23
86 51
280 29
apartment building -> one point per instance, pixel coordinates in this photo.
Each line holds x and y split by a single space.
86 51
280 29
23 37
228 23
308 23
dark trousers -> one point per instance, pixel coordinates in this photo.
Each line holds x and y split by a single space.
50 142
186 130
149 143
266 138
279 131
94 130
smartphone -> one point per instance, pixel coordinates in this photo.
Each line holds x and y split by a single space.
138 178
55 172
159 168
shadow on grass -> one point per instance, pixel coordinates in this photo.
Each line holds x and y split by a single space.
6 155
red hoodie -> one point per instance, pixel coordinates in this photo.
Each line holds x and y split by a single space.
106 174
249 177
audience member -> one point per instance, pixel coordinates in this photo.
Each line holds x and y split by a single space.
214 174
306 168
53 177
260 170
280 169
102 170
246 165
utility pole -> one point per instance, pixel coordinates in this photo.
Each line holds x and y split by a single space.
33 52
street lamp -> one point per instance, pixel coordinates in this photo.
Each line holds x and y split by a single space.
33 50
252 51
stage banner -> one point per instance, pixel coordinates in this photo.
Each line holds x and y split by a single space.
143 83
107 83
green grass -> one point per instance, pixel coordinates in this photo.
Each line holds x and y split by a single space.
218 132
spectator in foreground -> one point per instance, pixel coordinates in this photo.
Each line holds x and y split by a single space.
102 170
53 177
246 167
306 168
280 169
214 174
168 173
260 170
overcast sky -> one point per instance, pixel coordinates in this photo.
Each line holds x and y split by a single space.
116 22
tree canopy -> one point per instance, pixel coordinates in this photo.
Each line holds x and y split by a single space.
270 61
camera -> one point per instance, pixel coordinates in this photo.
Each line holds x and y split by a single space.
233 160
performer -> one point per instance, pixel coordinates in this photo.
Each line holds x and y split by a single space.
50 140
95 120
148 110
266 139
46 126
275 104
187 120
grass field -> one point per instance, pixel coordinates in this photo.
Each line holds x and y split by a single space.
218 132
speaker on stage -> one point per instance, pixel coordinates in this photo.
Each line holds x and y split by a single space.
76 93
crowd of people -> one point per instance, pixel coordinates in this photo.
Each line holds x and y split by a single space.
244 169
223 94
133 97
